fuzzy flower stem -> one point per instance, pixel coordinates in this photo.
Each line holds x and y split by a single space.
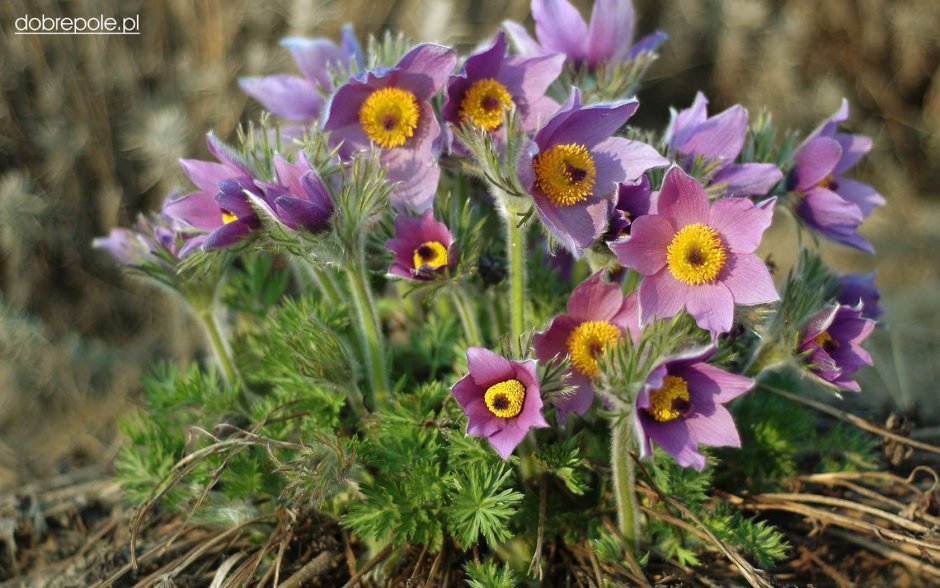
624 475
370 331
219 346
327 285
515 242
468 318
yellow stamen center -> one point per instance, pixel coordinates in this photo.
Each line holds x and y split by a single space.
484 102
505 399
826 182
565 173
670 401
825 341
228 216
589 340
696 254
389 116
432 254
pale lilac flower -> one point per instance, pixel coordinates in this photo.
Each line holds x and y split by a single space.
680 407
598 317
832 341
698 255
422 247
501 399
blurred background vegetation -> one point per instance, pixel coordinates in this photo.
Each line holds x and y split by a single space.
91 128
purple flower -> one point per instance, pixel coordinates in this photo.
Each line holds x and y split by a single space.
391 108
422 247
155 240
633 201
698 255
680 407
832 341
490 82
693 134
830 203
299 198
577 164
301 99
501 399
860 288
598 316
561 29
127 246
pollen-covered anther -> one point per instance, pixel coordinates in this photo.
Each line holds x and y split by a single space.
484 103
565 173
505 399
228 216
669 402
389 116
825 341
589 340
696 254
432 254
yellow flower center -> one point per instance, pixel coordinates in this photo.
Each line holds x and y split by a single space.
484 102
826 182
587 341
389 116
670 401
228 216
696 254
432 254
505 399
565 173
826 341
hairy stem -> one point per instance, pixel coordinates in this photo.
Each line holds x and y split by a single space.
370 332
515 241
628 518
468 318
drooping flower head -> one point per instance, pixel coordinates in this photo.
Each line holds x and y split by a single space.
390 108
501 399
576 166
832 340
156 239
680 407
599 316
633 201
300 99
491 82
698 255
830 203
422 247
692 133
561 29
860 288
299 198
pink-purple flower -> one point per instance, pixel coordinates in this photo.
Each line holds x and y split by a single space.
390 108
698 255
577 164
633 201
598 317
830 203
501 399
608 39
832 341
422 247
692 133
298 198
680 407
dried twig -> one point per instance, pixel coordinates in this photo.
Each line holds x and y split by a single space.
368 567
315 567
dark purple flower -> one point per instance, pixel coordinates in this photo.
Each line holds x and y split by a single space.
422 247
598 316
490 82
698 255
860 288
299 198
301 99
391 108
829 202
501 399
576 166
561 29
832 340
680 407
693 134
633 201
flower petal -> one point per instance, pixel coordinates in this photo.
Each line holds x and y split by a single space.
424 70
289 97
610 33
682 199
854 147
314 58
553 341
862 195
676 439
522 40
585 125
715 430
594 299
719 137
488 368
713 385
746 179
505 441
560 28
748 280
712 307
740 222
815 161
621 160
661 296
645 250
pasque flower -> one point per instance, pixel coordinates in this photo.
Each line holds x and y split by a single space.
598 317
832 341
633 201
301 99
692 133
830 203
576 165
860 288
299 198
680 407
422 247
501 399
391 109
491 82
698 255
561 29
